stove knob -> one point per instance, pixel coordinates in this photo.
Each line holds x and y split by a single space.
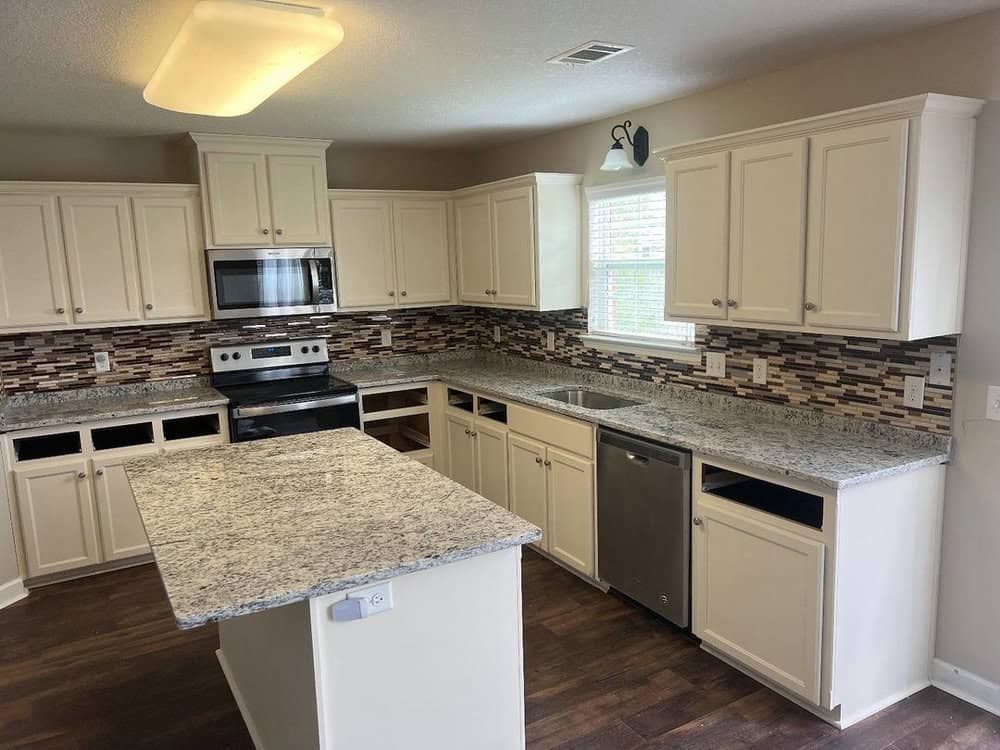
305 349
236 355
223 357
315 349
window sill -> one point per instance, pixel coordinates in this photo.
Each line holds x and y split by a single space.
677 352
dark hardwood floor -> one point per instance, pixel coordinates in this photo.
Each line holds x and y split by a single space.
97 663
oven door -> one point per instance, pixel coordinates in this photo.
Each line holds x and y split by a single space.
274 420
260 282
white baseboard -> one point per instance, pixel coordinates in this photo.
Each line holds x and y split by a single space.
12 591
240 702
970 687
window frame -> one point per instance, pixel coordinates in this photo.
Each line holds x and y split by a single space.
644 345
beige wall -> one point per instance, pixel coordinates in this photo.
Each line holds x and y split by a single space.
958 58
397 169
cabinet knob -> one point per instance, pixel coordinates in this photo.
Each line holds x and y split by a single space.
487 291
99 472
82 475
468 431
60 310
731 303
265 231
279 231
493 292
696 521
717 302
78 309
547 462
402 294
392 294
810 306
473 433
538 460
149 306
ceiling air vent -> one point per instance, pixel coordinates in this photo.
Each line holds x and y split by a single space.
588 53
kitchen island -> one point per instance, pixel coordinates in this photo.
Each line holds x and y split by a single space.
270 538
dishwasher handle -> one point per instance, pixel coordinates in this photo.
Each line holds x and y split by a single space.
642 451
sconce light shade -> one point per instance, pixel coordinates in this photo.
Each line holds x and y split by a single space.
616 159
231 55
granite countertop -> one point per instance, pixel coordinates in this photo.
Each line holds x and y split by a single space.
246 527
22 412
828 451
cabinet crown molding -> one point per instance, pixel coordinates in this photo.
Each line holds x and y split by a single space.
959 107
96 188
533 178
257 143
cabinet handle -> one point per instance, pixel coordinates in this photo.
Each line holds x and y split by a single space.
717 302
60 310
279 231
82 475
538 460
149 306
265 231
696 521
402 294
99 472
731 303
78 309
810 306
547 462
392 294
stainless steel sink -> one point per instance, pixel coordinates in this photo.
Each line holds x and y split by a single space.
589 399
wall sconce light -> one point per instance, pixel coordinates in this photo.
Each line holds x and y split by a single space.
617 159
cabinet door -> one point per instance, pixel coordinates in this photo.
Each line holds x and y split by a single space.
56 508
758 593
491 462
299 209
171 256
122 532
528 483
857 186
100 251
461 451
239 211
698 236
362 245
768 232
514 258
423 270
473 240
32 266
571 509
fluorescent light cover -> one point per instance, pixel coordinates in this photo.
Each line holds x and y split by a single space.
230 55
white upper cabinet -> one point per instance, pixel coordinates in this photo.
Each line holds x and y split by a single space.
518 242
697 236
100 251
263 192
171 255
767 232
33 289
392 248
853 223
856 199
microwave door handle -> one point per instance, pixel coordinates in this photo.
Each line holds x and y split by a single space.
314 277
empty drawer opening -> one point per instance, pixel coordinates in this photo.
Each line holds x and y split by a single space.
185 428
405 434
122 436
47 446
776 499
391 400
495 410
460 399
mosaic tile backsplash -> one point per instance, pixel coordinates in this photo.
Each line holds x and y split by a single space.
831 374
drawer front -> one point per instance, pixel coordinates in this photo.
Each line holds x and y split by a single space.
553 429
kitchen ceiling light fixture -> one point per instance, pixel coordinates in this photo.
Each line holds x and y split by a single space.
617 159
231 55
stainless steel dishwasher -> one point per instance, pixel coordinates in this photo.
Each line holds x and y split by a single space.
644 522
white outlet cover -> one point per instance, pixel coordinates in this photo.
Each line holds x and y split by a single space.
102 361
715 364
913 392
379 597
940 369
993 402
760 370
386 336
496 333
550 340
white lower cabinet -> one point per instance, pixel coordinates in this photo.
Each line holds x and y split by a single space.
571 509
122 532
58 524
477 456
461 451
760 596
528 490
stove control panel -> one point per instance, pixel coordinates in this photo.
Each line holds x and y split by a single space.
268 354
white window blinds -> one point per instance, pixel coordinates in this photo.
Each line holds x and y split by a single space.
627 242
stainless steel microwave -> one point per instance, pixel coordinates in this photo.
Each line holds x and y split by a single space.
257 282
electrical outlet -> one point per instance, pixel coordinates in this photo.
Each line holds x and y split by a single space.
102 361
760 370
993 402
940 369
550 340
496 333
715 364
361 604
913 392
386 336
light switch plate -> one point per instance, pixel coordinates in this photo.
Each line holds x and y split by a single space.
715 364
496 333
386 336
760 370
940 369
913 392
993 402
102 361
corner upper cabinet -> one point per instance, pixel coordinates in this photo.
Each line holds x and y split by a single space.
852 223
263 192
518 242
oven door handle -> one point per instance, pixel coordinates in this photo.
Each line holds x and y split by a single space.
259 411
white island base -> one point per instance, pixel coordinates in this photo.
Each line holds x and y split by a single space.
442 669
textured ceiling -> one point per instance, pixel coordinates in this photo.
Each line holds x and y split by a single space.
461 73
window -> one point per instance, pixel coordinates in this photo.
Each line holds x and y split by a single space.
627 268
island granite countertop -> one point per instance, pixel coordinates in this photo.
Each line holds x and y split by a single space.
833 452
245 527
